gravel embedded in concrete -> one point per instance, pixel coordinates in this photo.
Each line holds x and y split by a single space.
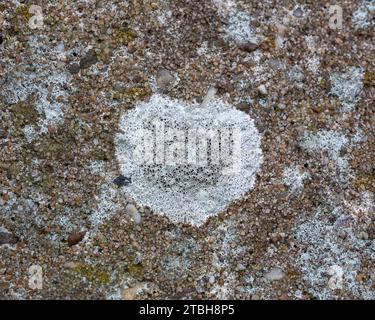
308 86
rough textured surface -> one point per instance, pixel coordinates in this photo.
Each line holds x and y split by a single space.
65 217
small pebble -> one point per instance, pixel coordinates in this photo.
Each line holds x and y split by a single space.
60 48
73 68
75 238
209 96
342 234
7 238
274 274
298 13
71 265
3 134
240 267
132 211
164 79
88 60
122 181
276 64
248 46
262 89
363 235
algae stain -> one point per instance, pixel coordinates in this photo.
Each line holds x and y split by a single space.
92 273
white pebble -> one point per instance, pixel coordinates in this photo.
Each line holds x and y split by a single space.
211 279
164 79
274 274
132 211
60 48
262 89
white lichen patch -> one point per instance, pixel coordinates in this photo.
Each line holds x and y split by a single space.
228 248
238 23
362 209
179 178
224 7
47 85
362 17
337 277
259 75
311 43
203 49
313 64
46 78
226 251
97 167
224 291
293 178
331 142
331 254
131 290
347 87
164 17
178 262
239 28
108 204
29 133
296 75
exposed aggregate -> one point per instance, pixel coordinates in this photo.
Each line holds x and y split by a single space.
307 228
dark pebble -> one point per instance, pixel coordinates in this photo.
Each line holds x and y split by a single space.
88 60
122 181
244 107
164 79
298 13
75 238
3 134
7 238
248 46
74 68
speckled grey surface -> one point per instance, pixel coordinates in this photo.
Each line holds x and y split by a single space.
69 70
